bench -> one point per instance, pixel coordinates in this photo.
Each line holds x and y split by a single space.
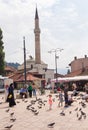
18 96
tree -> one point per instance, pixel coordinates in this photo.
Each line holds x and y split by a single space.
2 54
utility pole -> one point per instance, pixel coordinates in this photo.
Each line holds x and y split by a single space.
24 60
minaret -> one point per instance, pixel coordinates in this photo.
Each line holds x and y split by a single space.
37 39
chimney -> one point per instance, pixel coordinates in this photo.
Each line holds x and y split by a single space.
85 56
75 58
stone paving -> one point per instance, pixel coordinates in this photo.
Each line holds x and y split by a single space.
25 119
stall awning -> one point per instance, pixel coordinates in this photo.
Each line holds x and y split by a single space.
67 79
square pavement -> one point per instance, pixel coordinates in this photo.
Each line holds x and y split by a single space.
25 119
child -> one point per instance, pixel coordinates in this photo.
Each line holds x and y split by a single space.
50 102
61 98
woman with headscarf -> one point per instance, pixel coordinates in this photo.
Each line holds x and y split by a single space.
11 95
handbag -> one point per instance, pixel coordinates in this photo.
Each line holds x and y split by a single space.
10 96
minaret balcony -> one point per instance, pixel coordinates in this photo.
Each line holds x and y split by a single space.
37 30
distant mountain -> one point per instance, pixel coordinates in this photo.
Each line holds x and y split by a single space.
15 65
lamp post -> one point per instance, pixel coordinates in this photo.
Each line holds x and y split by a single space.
56 57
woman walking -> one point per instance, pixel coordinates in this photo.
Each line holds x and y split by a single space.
11 95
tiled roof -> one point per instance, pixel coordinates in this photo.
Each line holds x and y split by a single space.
58 75
20 77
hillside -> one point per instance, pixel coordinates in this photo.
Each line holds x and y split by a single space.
15 65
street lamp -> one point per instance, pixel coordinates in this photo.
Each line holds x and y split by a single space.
56 57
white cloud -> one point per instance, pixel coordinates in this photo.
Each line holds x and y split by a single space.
63 24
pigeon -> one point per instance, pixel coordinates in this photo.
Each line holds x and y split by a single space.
83 113
32 110
80 117
45 100
35 110
76 109
84 116
18 102
28 108
62 113
77 114
51 125
36 113
26 101
13 119
8 127
12 113
32 107
29 105
40 104
39 107
83 105
70 112
7 110
80 109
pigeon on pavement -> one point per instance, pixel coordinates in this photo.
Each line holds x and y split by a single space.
51 125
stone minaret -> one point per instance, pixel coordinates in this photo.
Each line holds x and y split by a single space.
37 39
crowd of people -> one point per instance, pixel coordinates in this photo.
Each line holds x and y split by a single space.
67 99
30 91
26 90
30 88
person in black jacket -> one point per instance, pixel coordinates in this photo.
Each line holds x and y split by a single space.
66 95
11 95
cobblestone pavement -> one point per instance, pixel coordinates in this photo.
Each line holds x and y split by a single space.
37 116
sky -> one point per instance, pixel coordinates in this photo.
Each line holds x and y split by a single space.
63 24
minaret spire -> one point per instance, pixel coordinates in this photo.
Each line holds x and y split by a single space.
37 39
36 13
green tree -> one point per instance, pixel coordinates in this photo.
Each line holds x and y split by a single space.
2 54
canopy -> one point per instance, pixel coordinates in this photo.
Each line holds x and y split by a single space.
67 79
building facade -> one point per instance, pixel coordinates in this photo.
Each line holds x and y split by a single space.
77 64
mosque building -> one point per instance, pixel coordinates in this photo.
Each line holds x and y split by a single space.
37 66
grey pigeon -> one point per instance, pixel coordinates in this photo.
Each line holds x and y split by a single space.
80 117
8 127
7 110
13 119
51 125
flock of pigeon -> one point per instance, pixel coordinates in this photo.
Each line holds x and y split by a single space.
30 107
12 119
40 103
